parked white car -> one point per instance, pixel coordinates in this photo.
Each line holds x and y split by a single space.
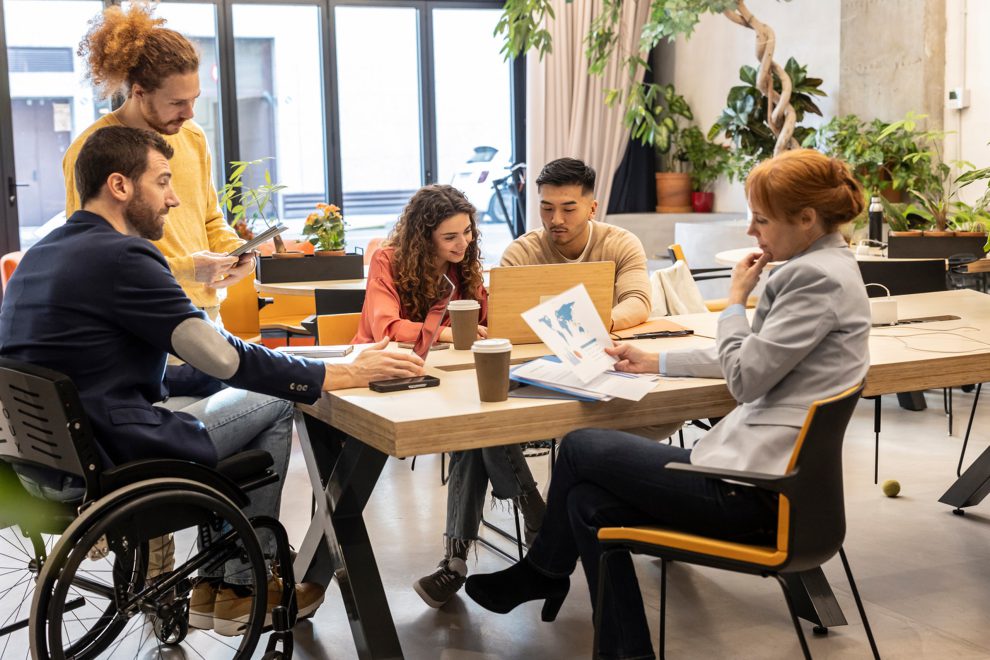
475 178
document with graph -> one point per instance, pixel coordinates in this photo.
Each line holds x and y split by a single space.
569 325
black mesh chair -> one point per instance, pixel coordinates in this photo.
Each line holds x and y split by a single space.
81 566
811 523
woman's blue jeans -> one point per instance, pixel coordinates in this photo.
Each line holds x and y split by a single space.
605 478
467 488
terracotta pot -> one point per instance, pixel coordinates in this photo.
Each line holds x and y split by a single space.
938 234
702 202
289 254
673 192
329 253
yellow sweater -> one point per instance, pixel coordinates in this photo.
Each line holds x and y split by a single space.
196 224
631 302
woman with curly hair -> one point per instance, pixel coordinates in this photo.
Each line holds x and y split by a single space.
437 234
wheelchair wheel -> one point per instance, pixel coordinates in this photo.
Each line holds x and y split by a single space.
81 613
22 555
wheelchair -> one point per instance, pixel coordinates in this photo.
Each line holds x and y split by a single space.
74 576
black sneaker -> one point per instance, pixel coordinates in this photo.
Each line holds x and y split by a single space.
441 585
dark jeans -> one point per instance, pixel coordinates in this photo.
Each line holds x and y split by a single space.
606 478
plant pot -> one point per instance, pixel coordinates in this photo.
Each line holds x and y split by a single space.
288 254
673 192
702 202
909 232
933 233
971 233
329 253
310 269
931 246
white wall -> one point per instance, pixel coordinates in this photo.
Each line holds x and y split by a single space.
967 53
704 67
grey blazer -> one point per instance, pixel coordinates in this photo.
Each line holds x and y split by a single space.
809 340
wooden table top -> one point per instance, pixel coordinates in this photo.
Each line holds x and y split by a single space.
450 417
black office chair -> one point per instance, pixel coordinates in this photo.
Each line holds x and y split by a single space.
88 591
811 523
902 277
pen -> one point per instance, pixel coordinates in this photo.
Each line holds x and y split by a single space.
663 333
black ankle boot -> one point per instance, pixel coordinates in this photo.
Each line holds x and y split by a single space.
501 592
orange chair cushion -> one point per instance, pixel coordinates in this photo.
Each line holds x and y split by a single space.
702 545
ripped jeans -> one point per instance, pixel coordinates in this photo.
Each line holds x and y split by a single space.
467 488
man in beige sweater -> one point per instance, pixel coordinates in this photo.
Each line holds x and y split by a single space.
570 235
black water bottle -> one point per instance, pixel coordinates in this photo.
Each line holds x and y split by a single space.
876 220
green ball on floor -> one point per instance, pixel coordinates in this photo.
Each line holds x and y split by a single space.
891 487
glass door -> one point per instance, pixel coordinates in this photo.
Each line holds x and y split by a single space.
50 103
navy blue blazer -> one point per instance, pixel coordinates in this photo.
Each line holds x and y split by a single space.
100 307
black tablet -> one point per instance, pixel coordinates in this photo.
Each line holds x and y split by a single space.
266 235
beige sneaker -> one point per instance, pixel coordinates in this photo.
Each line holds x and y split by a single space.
161 556
231 612
202 602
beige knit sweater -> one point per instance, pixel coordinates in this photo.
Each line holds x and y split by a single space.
631 302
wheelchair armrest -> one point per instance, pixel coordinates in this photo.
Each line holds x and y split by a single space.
247 467
129 473
772 482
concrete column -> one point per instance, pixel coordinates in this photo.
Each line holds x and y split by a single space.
892 59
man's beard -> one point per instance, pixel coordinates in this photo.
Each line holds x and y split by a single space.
147 221
159 126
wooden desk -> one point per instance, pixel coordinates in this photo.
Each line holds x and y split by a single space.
450 417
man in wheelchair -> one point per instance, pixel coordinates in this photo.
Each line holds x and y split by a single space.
96 301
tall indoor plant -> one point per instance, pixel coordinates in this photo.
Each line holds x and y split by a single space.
657 122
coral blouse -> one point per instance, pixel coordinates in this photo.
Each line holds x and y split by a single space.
383 314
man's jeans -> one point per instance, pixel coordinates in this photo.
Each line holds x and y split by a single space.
237 421
467 488
606 478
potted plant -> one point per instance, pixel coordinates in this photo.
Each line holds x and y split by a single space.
709 160
246 205
654 121
325 228
744 118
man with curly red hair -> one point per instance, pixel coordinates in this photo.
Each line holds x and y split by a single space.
157 70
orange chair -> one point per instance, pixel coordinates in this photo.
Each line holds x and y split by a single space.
8 263
336 329
373 246
239 311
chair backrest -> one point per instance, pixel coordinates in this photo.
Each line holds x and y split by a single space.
43 423
334 329
903 276
373 246
812 518
680 291
8 263
338 301
239 310
676 253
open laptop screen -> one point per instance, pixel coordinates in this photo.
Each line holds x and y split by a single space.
431 325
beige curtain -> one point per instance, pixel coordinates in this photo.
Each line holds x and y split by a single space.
566 113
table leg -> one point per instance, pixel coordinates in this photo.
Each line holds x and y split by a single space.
813 598
972 486
343 472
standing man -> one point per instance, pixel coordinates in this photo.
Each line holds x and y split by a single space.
157 70
570 234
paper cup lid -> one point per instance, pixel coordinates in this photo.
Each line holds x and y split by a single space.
463 304
491 346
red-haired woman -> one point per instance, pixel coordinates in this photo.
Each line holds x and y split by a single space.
808 340
437 234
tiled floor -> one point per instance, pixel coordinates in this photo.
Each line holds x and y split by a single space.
924 573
